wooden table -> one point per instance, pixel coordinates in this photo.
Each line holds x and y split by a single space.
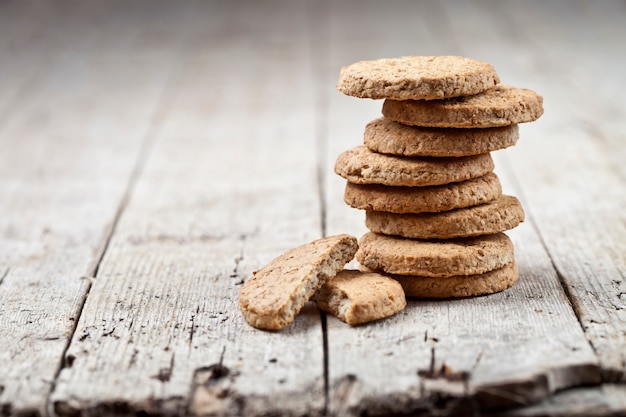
153 154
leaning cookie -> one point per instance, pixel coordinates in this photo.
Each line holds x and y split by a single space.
442 258
500 106
459 285
435 198
277 292
356 297
499 215
386 136
417 78
362 166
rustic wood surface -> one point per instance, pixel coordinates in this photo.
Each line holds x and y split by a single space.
154 154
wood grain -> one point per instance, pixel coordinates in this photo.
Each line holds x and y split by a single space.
504 350
222 193
68 150
200 137
568 165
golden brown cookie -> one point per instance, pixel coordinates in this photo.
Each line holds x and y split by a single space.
503 213
386 136
357 297
362 166
500 106
435 198
417 78
278 291
460 285
430 258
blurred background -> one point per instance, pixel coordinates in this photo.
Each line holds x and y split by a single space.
237 100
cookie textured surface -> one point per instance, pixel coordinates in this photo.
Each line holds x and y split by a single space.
461 285
362 166
504 213
500 106
417 78
435 198
442 258
357 297
277 292
389 137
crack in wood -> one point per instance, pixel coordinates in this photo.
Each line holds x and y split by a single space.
211 392
133 358
165 374
343 389
192 328
4 274
108 333
217 371
430 372
319 43
475 365
444 391
444 372
239 258
210 375
324 322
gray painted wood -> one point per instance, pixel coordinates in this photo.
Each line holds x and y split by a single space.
494 347
578 212
68 150
212 129
223 192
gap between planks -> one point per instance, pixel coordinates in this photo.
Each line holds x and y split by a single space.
319 48
163 104
144 151
203 234
75 37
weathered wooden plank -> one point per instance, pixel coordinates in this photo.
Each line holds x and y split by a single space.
569 166
68 149
605 400
19 50
230 183
363 362
504 350
223 191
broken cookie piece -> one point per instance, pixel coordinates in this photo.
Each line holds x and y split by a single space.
277 292
357 297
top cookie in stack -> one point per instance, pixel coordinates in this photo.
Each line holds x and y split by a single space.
434 207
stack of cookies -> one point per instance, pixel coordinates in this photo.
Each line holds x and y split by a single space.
424 176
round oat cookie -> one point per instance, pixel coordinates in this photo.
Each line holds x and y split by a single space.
362 166
386 136
503 213
435 198
460 285
429 258
278 291
357 297
417 78
502 105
